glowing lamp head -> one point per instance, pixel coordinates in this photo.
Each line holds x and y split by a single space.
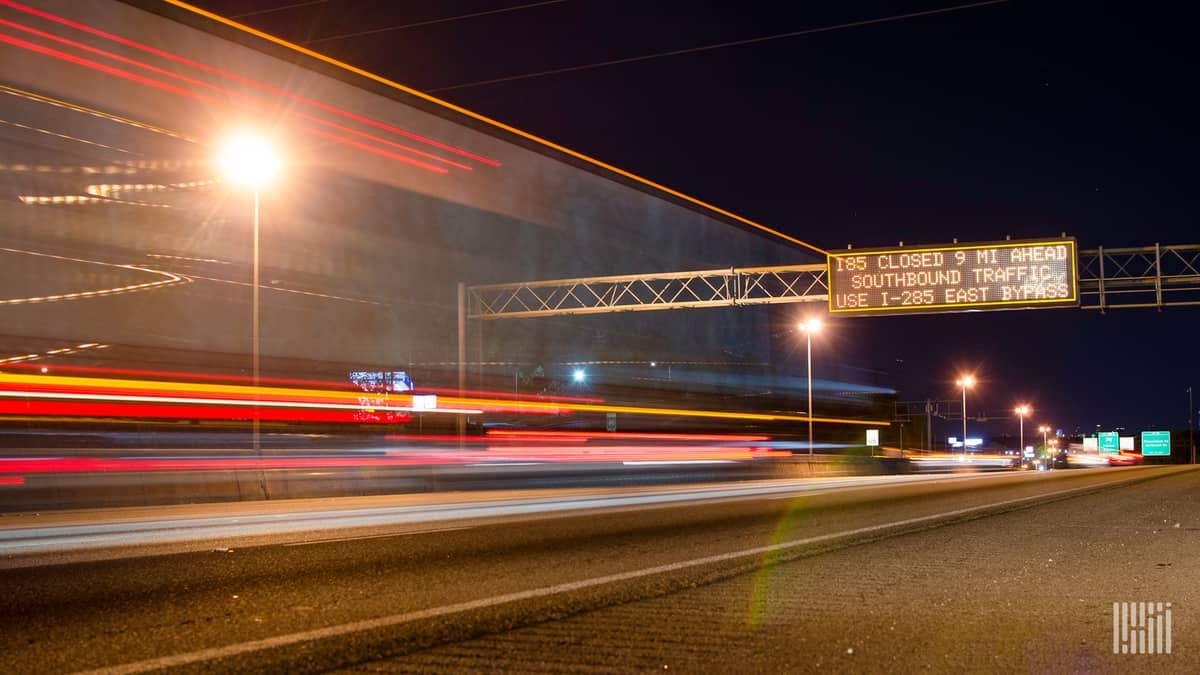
579 375
811 325
248 160
1022 410
966 381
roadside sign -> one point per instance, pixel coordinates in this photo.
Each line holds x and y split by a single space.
1109 442
872 437
1156 443
610 422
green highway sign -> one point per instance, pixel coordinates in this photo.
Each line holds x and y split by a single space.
1156 443
1109 441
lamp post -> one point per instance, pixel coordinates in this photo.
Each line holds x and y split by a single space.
249 161
1045 429
1191 429
1022 410
810 326
965 382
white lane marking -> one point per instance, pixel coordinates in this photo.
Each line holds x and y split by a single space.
212 653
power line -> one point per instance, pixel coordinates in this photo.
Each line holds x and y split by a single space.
294 5
720 45
374 31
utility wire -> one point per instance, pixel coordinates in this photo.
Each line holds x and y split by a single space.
386 29
720 45
257 12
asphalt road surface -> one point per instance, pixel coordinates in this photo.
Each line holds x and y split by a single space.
1000 572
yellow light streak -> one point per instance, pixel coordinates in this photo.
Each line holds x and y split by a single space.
282 394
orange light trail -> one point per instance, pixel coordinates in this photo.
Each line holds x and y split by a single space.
56 387
489 121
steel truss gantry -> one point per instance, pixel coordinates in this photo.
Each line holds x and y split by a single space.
1151 276
641 292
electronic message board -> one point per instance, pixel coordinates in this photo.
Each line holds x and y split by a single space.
1000 275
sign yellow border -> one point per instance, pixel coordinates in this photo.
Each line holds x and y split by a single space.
976 306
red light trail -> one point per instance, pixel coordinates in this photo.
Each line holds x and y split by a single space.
238 78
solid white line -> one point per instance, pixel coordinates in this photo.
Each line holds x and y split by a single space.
409 617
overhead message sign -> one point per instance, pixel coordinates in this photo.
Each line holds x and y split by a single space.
1156 443
1002 275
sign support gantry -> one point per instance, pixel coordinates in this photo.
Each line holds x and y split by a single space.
1151 276
642 292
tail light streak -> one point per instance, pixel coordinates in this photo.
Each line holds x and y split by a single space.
203 67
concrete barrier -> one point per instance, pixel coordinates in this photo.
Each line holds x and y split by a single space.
110 490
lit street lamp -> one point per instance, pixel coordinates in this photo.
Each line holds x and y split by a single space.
1022 410
810 326
1045 429
247 160
965 382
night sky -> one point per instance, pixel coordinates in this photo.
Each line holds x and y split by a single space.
1021 118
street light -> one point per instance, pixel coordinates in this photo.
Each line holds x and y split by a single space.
248 160
1045 429
809 326
965 382
1022 410
1191 431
